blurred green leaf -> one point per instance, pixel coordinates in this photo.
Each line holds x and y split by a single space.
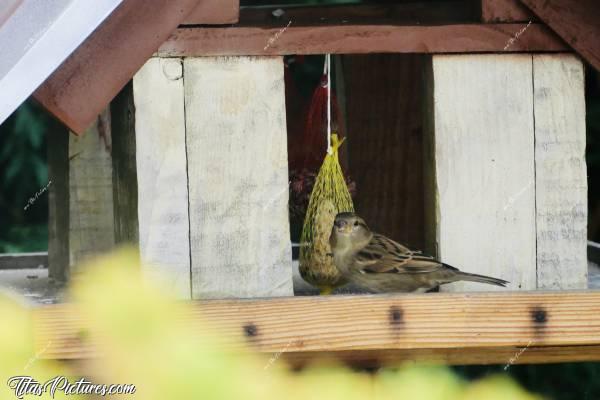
41 171
23 172
14 168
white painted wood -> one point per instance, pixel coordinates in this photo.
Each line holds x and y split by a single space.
238 181
162 179
91 222
484 167
561 181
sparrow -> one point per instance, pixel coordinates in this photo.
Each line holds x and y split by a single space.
381 265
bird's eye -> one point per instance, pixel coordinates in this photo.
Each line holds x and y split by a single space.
355 223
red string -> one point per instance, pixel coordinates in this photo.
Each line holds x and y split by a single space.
314 139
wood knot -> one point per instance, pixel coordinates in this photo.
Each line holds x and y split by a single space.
539 315
250 330
396 316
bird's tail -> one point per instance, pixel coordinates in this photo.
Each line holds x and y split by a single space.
465 276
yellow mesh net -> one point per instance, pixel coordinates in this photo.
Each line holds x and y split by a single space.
329 196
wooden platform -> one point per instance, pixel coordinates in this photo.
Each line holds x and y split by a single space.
475 328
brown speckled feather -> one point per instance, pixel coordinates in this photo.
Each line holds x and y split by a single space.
383 255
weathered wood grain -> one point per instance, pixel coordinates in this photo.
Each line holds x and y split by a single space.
91 222
214 12
575 21
23 260
102 65
125 193
504 11
393 13
476 328
484 167
238 179
385 142
560 172
58 204
430 195
162 179
358 39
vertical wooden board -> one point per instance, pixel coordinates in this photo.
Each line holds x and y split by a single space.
484 172
125 193
238 180
430 195
58 204
91 222
161 170
385 139
561 180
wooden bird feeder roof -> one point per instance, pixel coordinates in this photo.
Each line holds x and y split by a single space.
81 87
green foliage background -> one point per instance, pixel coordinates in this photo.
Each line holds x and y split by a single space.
24 172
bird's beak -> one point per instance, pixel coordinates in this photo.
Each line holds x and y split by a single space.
342 226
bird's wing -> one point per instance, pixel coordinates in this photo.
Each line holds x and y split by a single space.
383 255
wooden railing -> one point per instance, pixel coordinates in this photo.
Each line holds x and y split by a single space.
474 328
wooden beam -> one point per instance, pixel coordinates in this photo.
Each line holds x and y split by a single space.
359 39
89 79
504 11
576 21
24 260
475 328
214 12
410 13
453 356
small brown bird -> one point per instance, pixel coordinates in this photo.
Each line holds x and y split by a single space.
379 264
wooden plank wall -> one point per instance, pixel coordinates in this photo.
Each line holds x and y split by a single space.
125 193
93 195
238 179
504 125
510 176
91 222
58 205
384 146
561 176
485 178
212 176
162 178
